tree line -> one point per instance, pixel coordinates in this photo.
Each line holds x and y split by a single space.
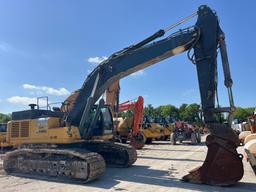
191 112
186 112
241 114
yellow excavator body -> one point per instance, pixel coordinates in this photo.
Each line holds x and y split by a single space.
41 135
43 130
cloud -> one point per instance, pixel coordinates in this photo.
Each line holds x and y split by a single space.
26 100
21 100
47 90
36 93
139 73
96 60
29 86
4 47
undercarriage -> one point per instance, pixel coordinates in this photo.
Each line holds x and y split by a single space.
83 161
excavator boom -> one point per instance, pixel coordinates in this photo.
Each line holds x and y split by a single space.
122 64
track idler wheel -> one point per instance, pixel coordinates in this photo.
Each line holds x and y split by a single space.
137 141
223 165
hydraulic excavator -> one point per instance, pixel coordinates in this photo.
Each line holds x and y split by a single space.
134 123
66 143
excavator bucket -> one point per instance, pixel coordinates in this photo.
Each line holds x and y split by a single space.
137 141
223 165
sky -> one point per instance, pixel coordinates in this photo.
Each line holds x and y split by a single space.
47 48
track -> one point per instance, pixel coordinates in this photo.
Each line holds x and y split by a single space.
62 164
114 154
81 162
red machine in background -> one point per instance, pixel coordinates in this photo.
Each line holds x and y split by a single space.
184 131
134 122
138 109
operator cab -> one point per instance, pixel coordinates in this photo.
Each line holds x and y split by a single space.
162 121
104 124
147 120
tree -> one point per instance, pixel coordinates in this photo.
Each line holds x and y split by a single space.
149 110
241 114
182 111
158 112
192 113
249 110
169 111
4 118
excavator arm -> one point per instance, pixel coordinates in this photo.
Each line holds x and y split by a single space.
223 165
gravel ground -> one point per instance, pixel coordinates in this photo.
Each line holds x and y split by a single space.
158 168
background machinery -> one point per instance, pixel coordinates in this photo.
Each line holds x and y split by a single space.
123 126
149 130
250 142
131 127
140 129
252 123
71 143
168 126
183 131
245 129
152 130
